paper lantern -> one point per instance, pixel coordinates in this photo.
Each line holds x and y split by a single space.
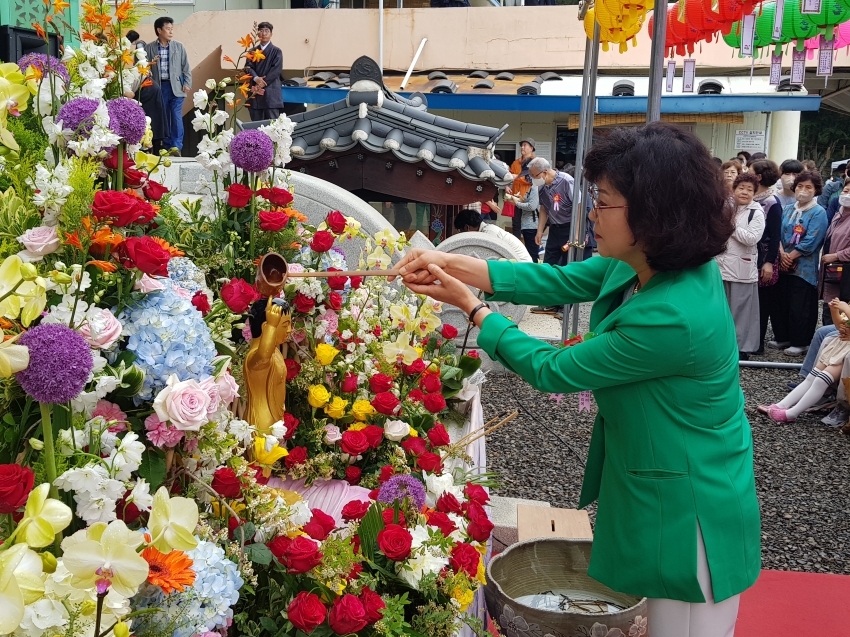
696 17
687 34
611 35
797 26
832 13
728 11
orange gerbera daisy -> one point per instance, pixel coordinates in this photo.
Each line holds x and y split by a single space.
174 252
171 572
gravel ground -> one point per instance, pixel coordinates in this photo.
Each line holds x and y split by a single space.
801 468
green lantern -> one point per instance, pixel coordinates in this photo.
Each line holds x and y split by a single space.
733 38
797 26
832 13
764 24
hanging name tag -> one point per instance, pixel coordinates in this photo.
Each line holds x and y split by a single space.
777 20
688 76
671 74
748 34
585 401
798 66
825 56
811 6
775 69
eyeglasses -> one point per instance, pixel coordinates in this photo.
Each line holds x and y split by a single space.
594 204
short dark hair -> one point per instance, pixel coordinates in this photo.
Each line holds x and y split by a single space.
840 168
745 154
766 169
132 36
812 176
758 156
746 178
717 161
682 218
467 217
159 23
791 166
265 25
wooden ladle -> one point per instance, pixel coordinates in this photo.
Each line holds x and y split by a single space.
273 273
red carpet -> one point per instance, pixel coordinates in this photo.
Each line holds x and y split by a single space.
789 604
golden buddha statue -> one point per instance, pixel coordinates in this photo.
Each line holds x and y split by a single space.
264 369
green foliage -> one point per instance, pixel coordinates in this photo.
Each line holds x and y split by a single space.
824 138
16 217
32 142
152 468
82 180
434 620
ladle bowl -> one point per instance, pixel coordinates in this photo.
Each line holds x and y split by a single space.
273 273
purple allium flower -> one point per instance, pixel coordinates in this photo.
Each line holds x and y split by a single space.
252 150
42 62
60 363
401 487
126 119
78 115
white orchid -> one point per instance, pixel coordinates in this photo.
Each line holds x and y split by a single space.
401 350
11 596
43 518
172 522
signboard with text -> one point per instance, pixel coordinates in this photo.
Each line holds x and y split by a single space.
750 140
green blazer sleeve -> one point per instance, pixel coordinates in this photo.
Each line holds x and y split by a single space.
650 343
541 284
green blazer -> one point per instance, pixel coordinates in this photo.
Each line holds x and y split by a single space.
671 446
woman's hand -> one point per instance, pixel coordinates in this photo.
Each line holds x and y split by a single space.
445 288
829 258
766 272
786 261
413 267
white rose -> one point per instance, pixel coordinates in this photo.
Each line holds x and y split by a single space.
332 434
39 242
210 84
396 430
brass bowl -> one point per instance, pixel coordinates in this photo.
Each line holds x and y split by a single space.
554 571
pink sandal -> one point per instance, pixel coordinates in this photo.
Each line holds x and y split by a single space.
764 409
778 414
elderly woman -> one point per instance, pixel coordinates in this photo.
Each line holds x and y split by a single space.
671 457
731 169
836 252
803 231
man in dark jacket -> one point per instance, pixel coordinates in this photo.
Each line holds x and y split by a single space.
267 98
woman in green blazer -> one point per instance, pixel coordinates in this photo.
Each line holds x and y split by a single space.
671 456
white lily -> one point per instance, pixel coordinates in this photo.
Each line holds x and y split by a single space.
11 597
401 350
172 522
105 557
44 517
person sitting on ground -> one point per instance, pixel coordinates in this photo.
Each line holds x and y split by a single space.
730 169
826 373
788 172
470 221
738 266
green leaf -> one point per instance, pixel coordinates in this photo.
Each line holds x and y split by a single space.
152 468
447 372
371 524
244 533
469 365
224 350
219 364
258 553
8 419
269 624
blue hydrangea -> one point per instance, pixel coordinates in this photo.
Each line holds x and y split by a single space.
207 605
168 336
186 274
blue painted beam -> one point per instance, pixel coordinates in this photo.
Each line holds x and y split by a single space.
711 103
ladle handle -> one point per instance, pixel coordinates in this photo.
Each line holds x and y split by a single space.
324 275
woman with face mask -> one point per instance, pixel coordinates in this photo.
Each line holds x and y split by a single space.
836 250
788 171
804 227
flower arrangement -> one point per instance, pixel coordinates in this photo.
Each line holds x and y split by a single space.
136 494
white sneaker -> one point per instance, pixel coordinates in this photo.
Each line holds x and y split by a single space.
795 351
778 345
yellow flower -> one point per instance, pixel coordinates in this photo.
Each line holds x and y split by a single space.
336 408
463 596
146 162
325 354
413 433
481 574
357 426
220 511
427 324
11 596
172 522
44 517
401 317
378 259
318 396
13 358
362 410
401 350
267 458
385 239
14 96
352 228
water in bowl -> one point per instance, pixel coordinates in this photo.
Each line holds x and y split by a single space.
565 600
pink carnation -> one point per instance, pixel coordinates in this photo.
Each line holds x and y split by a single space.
246 332
162 434
191 445
110 411
333 321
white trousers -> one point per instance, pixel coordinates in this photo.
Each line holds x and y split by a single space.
672 618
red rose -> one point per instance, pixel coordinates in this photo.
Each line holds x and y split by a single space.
353 443
278 546
416 395
238 295
306 611
476 493
374 434
480 526
438 436
258 475
416 367
435 403
373 494
122 208
145 254
429 462
238 195
430 383
201 303
414 446
448 503
388 515
372 604
232 525
301 555
349 383
322 241
334 301
133 178
293 368
226 483
355 547
473 353
273 221
352 475
336 282
442 522
127 512
465 559
380 383
289 421
296 456
356 282
395 542
15 485
355 510
303 303
387 472
320 525
154 190
336 222
448 331
111 162
355 571
277 196
386 403
347 615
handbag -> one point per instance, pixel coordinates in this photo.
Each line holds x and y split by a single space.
775 276
508 209
832 271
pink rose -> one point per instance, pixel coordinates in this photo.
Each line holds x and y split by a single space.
211 387
101 329
227 388
184 403
39 242
332 434
147 284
